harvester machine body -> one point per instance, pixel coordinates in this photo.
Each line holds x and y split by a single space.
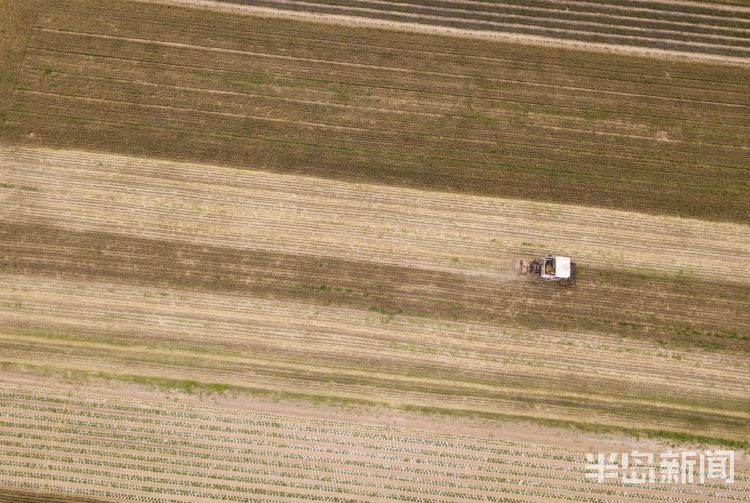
550 267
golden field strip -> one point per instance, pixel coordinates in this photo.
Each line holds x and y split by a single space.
255 211
402 297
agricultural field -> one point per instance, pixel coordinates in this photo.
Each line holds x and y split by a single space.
441 113
258 257
677 26
164 452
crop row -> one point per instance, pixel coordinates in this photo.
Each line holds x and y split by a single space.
122 208
136 407
690 33
366 128
98 446
89 415
305 108
534 458
82 210
712 183
189 190
659 13
191 452
348 291
356 166
234 270
327 61
502 380
425 53
386 350
16 22
319 382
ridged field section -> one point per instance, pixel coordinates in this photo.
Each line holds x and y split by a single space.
154 452
690 27
369 105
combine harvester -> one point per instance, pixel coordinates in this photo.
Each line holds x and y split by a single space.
559 269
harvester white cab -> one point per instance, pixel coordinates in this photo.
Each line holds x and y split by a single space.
549 267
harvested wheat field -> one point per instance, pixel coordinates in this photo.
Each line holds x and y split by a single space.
264 251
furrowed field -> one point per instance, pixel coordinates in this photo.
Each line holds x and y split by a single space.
440 113
678 26
249 257
161 452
